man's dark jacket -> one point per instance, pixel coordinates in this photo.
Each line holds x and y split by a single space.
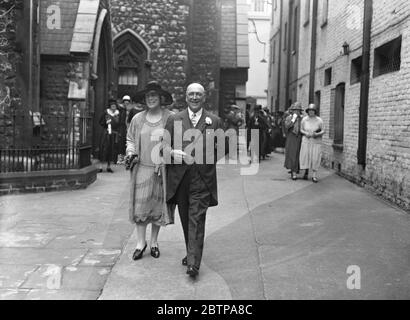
175 172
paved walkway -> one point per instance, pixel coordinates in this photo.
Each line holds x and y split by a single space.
270 238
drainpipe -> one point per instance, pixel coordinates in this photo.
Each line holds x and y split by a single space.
30 59
365 83
313 53
289 52
277 106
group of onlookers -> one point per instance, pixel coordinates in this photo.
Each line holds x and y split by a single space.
269 125
300 134
115 120
303 141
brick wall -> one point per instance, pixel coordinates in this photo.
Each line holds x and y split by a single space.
228 45
388 159
184 38
388 151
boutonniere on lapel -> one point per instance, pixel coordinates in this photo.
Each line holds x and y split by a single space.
208 121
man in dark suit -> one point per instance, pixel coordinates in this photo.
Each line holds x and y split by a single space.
191 176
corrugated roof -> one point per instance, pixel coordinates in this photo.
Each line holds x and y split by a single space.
78 18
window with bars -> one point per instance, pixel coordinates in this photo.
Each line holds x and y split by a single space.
356 70
387 58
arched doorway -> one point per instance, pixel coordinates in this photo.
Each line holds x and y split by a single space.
132 56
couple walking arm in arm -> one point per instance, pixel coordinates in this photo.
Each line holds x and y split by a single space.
187 183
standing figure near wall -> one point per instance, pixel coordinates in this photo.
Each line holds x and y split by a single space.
293 139
312 129
110 138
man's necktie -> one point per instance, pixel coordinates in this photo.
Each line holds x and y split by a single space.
194 119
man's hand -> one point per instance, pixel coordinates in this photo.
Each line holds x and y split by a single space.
178 155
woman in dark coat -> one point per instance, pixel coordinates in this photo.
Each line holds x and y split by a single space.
259 122
110 138
293 139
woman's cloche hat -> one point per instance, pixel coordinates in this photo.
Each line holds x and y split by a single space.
166 98
296 106
311 107
112 101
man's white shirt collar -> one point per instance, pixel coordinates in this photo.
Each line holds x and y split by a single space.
198 114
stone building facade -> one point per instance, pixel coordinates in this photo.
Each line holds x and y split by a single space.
370 149
179 41
57 81
61 60
18 66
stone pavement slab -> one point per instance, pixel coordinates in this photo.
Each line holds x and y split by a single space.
62 245
269 238
150 278
273 238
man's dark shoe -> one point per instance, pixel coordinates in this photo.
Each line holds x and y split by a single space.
185 261
110 170
192 271
138 253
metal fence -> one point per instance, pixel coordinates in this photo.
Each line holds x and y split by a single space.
38 142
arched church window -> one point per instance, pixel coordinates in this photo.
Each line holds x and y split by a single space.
128 77
131 56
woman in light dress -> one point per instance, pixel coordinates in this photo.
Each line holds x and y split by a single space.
148 201
313 130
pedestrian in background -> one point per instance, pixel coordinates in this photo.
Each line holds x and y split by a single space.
259 122
293 139
122 108
313 130
147 200
133 109
110 138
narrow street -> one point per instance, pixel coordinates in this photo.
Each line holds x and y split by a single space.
270 238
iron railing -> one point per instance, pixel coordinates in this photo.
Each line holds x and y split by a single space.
45 142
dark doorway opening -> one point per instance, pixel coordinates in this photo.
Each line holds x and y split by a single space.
339 115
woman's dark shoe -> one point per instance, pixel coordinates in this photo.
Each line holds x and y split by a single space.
185 261
294 177
138 253
110 170
315 180
155 252
100 171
